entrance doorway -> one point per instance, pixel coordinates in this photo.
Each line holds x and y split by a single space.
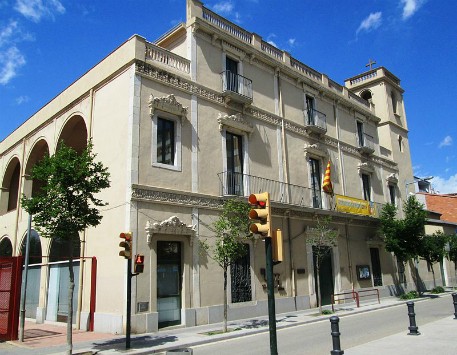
169 283
325 274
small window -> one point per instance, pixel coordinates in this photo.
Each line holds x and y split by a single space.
166 147
392 195
366 95
400 143
366 186
165 141
360 135
310 107
394 102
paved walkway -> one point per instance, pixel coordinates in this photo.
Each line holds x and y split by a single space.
41 339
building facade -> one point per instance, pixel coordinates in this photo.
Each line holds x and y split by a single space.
211 111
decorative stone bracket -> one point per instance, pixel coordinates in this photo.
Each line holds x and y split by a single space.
172 225
167 104
236 122
366 167
392 178
315 149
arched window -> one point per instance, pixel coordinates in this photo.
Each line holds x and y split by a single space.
34 248
366 95
6 249
59 249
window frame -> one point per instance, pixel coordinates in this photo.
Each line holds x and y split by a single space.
176 166
366 189
315 192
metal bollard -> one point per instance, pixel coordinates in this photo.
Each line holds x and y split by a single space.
454 299
413 329
335 336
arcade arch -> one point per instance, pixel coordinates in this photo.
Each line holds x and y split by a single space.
10 186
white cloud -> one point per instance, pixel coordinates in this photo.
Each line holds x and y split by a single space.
445 186
447 141
35 10
372 22
410 7
291 42
7 32
10 60
22 99
223 7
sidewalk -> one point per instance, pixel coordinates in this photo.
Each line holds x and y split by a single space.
41 339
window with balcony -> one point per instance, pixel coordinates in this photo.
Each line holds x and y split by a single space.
360 137
366 187
315 175
234 154
166 148
234 85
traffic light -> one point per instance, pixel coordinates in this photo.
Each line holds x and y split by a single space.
139 264
261 212
126 244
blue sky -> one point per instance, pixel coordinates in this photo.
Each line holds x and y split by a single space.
45 45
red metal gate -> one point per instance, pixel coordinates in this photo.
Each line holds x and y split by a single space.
10 295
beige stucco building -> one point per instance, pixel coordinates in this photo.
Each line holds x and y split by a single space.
211 111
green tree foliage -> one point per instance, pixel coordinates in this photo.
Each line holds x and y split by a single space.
66 203
452 255
231 231
432 249
322 238
403 236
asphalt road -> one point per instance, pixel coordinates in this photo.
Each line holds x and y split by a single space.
315 338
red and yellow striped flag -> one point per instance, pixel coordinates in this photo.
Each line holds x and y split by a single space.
327 185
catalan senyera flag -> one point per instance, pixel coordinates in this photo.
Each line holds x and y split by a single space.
327 185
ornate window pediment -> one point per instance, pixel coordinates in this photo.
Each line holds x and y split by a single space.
365 168
392 178
315 149
235 122
172 225
167 104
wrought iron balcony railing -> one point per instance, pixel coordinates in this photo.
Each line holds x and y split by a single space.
315 121
237 184
236 84
366 144
243 185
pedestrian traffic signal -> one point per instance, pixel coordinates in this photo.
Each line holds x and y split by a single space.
126 244
260 212
139 264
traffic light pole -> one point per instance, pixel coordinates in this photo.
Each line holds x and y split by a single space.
271 296
129 303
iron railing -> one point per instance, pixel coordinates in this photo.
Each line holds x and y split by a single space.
236 83
366 142
315 118
238 184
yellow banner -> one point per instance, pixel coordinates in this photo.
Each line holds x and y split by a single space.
353 205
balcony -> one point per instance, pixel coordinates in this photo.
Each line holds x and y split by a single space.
236 88
315 121
236 184
366 144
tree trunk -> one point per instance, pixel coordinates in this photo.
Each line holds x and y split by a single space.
318 280
225 299
71 287
433 273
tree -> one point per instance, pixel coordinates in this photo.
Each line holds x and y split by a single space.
322 238
432 249
403 236
231 231
452 254
66 204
